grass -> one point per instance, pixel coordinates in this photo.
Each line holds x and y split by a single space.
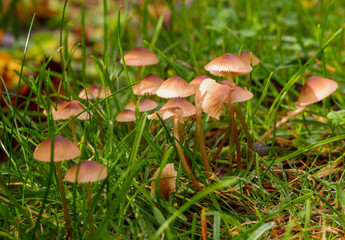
296 192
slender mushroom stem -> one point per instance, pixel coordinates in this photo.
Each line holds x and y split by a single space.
221 144
246 131
235 134
74 134
282 121
177 121
63 199
198 129
139 73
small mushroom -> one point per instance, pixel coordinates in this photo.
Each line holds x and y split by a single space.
144 105
175 87
314 90
70 110
166 182
87 172
64 149
148 85
228 65
140 57
198 128
177 115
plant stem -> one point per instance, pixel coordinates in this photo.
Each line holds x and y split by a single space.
281 122
180 152
88 200
235 134
199 131
139 73
246 131
63 199
221 144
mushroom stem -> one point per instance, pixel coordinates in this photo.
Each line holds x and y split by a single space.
180 152
221 144
231 81
198 129
74 134
139 73
63 199
246 131
235 134
282 121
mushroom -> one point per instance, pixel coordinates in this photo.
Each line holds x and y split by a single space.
126 116
228 65
177 115
175 87
198 128
148 85
140 57
144 105
57 106
86 172
64 149
93 92
70 110
314 90
166 181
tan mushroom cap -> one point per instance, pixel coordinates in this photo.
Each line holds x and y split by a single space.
165 114
245 56
167 181
239 94
187 108
228 64
315 89
175 87
143 106
198 80
140 56
89 171
94 91
58 105
215 95
70 110
148 85
126 116
64 149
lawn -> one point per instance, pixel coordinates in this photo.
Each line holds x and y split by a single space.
225 169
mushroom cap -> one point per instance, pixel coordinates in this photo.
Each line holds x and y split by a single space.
140 56
239 94
245 56
175 87
126 116
167 181
94 91
315 89
228 64
198 80
89 171
148 85
165 114
214 95
64 149
143 106
58 105
187 108
70 110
